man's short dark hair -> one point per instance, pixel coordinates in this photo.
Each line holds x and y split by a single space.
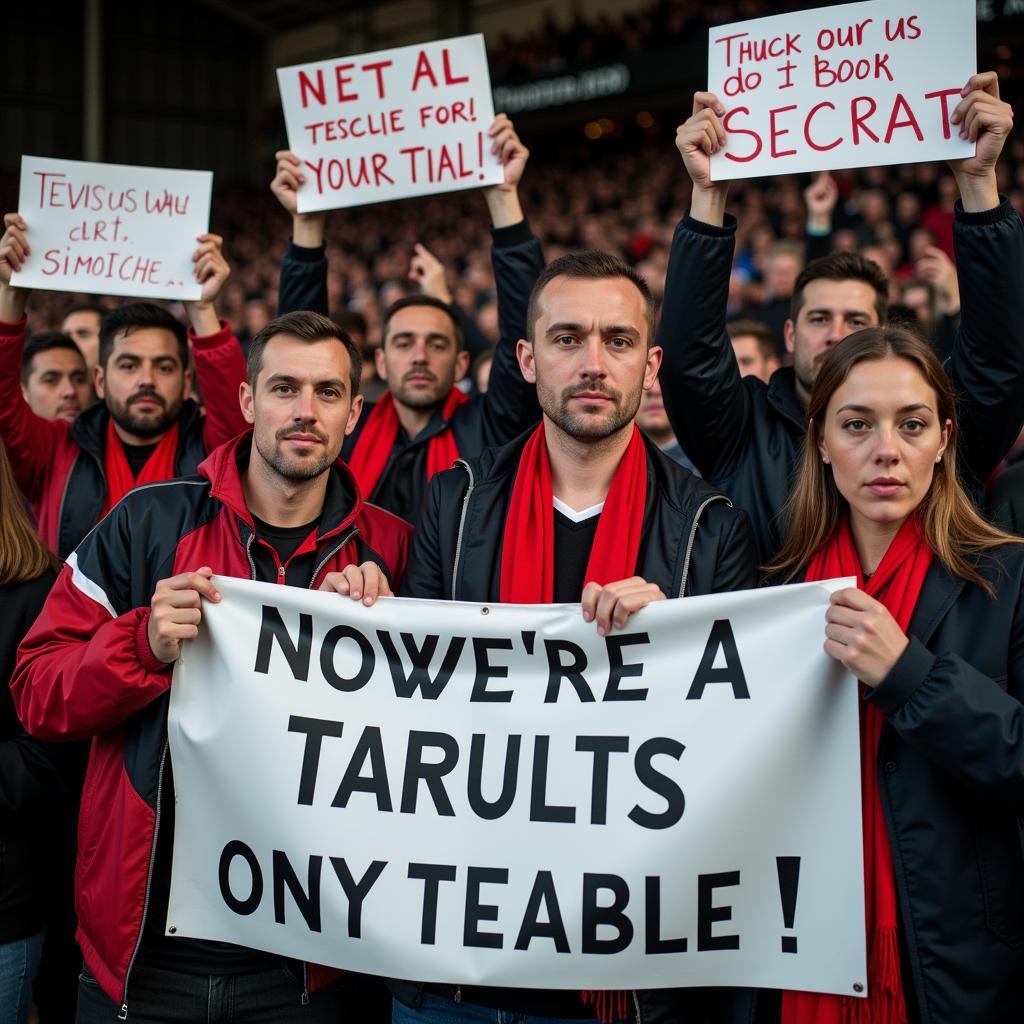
407 301
843 266
591 265
43 342
760 332
84 307
305 326
135 315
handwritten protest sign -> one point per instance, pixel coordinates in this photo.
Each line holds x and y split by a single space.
392 124
452 792
854 85
112 229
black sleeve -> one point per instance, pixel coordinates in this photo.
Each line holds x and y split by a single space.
959 719
474 340
1006 502
944 335
707 404
987 363
32 772
303 284
816 246
424 574
736 567
510 404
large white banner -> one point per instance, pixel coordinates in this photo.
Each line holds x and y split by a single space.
112 229
852 85
496 795
411 121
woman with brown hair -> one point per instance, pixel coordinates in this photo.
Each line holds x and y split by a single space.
36 779
934 631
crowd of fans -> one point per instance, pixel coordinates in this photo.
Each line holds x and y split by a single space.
622 195
622 200
551 48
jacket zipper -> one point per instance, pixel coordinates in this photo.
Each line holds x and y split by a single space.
462 521
636 1004
123 1013
693 536
248 552
305 984
330 554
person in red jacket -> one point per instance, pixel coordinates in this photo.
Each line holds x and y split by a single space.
275 504
145 429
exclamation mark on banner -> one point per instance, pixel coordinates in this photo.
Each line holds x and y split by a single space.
472 109
480 153
789 880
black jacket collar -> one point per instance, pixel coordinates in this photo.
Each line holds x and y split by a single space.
783 399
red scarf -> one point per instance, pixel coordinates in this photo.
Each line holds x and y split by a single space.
373 449
528 548
528 564
159 466
896 583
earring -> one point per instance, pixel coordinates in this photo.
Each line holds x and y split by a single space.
824 459
938 458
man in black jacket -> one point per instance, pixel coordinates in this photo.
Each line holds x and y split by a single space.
482 536
423 355
745 437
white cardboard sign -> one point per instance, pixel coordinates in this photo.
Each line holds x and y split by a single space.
854 85
411 121
496 795
112 229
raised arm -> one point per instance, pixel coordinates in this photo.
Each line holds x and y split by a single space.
510 404
430 274
303 283
707 402
31 440
987 361
218 358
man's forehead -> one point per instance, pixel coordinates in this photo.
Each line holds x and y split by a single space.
590 301
57 358
847 294
152 342
421 320
288 356
83 318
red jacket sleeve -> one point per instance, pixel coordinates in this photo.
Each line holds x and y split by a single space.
30 440
220 369
83 668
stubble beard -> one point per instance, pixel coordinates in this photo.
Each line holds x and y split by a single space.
582 428
287 467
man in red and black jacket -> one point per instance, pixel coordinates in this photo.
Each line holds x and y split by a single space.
145 428
276 505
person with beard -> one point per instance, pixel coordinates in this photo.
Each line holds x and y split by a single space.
274 504
144 428
745 436
584 509
423 423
